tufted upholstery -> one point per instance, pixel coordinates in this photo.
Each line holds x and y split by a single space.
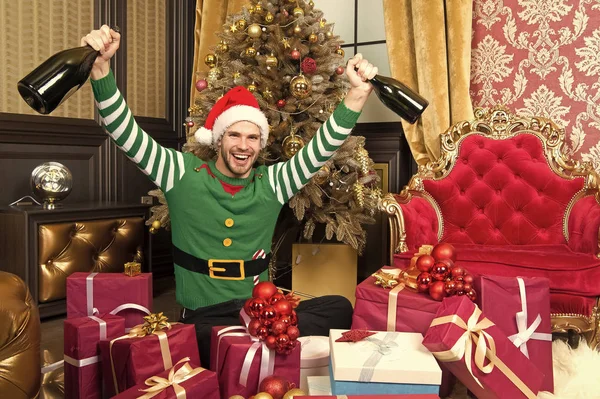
513 204
19 340
85 246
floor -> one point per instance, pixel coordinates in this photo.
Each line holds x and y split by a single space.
51 346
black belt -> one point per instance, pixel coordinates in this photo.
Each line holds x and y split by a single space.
227 269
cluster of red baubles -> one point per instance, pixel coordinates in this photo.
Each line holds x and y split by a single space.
441 277
272 318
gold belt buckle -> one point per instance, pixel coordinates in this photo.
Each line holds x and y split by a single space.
212 269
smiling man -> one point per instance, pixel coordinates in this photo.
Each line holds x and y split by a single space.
223 213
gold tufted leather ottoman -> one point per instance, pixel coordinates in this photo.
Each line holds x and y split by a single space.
19 340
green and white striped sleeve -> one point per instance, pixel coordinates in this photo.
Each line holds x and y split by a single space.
163 165
287 178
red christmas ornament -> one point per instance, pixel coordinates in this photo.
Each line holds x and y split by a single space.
264 290
459 287
285 320
425 263
281 103
450 287
201 84
423 288
444 250
293 318
256 306
283 307
278 327
283 339
439 271
253 327
468 279
339 70
354 336
271 342
467 287
308 66
295 54
293 332
424 278
262 333
268 315
190 123
457 271
447 262
437 290
471 294
275 386
247 305
278 296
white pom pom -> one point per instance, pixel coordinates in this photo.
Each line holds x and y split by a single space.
203 136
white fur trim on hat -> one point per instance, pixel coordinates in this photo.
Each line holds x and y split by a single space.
203 136
239 113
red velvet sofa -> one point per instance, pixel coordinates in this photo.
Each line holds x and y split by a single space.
510 200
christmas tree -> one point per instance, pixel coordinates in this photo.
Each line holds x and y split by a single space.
287 54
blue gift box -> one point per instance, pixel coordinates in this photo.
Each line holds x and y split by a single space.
384 363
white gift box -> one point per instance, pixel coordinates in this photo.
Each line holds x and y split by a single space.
314 360
318 385
385 357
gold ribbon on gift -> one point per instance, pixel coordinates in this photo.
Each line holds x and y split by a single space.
159 384
475 334
154 323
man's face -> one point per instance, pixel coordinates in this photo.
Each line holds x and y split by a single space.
238 149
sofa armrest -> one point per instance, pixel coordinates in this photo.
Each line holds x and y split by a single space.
584 226
413 222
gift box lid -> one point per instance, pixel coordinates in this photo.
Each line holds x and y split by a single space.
390 357
315 351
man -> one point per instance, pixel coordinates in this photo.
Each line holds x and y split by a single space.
223 213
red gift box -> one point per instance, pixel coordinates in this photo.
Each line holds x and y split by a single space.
241 362
183 378
90 294
479 354
399 309
82 368
521 308
130 359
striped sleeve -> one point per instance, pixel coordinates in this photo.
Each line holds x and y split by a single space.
164 166
287 178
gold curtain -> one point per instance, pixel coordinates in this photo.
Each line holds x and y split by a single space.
429 48
210 17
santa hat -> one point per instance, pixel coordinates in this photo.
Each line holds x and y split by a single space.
237 105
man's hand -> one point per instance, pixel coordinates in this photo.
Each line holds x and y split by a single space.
358 71
106 41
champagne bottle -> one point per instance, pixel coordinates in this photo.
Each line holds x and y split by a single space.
399 98
57 78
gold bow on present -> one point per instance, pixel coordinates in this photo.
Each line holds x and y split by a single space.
159 384
155 322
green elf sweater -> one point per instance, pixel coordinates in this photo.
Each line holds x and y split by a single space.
207 221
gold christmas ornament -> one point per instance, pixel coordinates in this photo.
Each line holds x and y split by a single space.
313 38
322 22
241 24
214 74
269 18
298 12
271 61
286 43
156 224
210 60
267 94
223 47
340 51
254 31
311 4
322 175
250 52
263 395
329 34
292 393
292 144
297 29
300 87
362 156
251 9
252 87
258 8
359 194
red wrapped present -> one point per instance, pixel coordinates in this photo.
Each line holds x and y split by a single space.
182 380
241 362
83 377
146 350
521 308
479 354
399 308
92 294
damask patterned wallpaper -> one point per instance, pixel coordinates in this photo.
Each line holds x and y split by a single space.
541 57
